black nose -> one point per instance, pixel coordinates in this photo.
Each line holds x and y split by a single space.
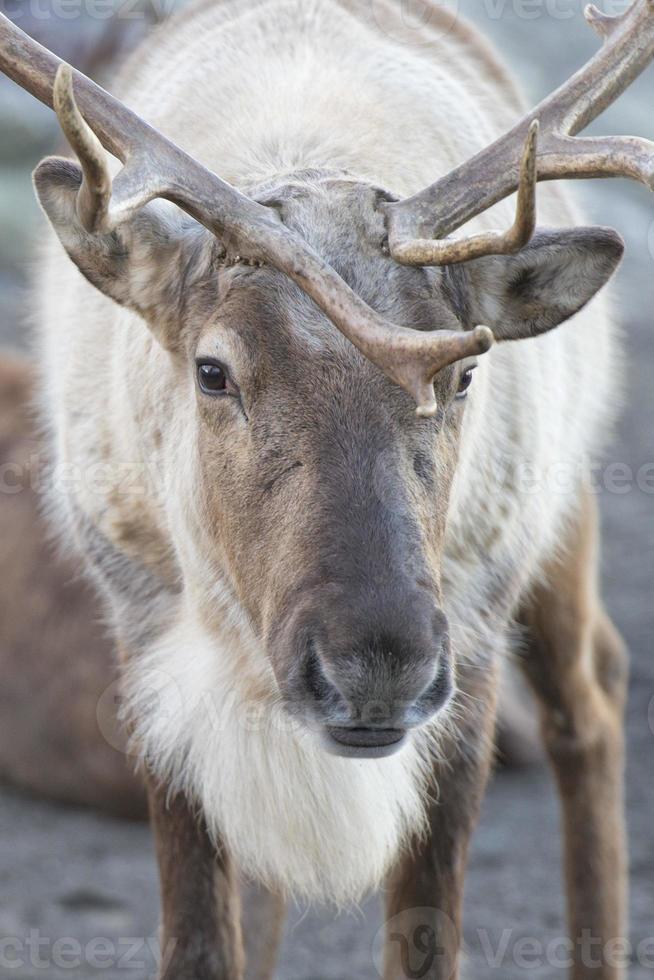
371 668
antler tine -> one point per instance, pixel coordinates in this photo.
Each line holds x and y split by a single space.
492 174
410 358
426 251
95 193
155 167
605 156
415 368
102 204
603 23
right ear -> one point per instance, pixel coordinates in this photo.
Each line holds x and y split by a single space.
553 277
147 264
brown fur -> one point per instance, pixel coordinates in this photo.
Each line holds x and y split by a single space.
424 901
58 665
202 904
64 756
56 661
318 504
576 663
201 914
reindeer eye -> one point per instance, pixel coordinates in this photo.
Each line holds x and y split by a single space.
465 382
212 378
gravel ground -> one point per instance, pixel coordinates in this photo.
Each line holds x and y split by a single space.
68 873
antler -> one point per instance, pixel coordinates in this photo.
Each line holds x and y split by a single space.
417 226
428 251
154 167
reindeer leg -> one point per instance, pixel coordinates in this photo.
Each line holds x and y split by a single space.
264 913
201 934
425 891
577 666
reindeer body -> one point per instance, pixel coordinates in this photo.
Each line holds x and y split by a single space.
338 97
339 89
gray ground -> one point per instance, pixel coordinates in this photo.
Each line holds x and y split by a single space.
71 875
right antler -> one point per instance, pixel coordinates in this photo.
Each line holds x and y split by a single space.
418 225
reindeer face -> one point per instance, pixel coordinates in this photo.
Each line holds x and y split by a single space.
322 496
326 494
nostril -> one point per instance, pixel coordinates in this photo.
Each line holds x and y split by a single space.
441 688
351 673
317 684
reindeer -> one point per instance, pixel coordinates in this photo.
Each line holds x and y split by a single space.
313 533
56 661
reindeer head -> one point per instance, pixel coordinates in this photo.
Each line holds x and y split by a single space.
302 319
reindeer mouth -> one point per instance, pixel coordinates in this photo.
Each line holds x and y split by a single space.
363 743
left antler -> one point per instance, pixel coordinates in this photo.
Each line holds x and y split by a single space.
418 225
154 167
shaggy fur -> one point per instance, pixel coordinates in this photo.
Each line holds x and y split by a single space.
294 816
337 90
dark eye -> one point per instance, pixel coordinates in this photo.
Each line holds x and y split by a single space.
212 378
464 382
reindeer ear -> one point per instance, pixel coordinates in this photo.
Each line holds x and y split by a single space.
146 264
547 282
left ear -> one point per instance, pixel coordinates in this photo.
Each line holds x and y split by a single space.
547 282
149 263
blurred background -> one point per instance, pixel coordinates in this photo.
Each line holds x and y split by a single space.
69 873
